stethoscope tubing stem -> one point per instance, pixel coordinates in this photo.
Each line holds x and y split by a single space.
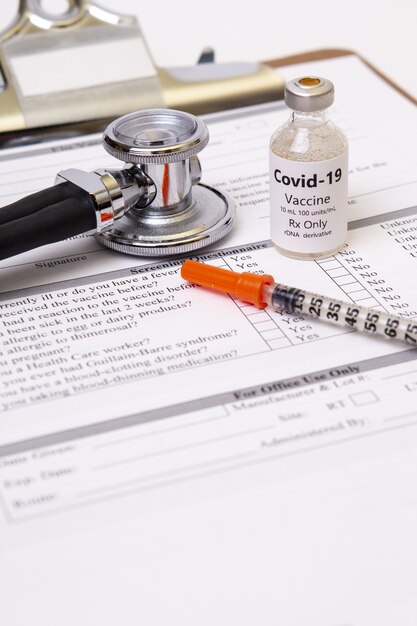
45 217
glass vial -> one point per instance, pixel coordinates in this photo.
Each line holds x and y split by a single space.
308 174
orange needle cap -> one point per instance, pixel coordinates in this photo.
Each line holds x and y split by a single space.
245 286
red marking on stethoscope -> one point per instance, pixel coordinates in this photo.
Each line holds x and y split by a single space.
165 184
105 217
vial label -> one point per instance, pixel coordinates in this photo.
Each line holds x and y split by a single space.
308 203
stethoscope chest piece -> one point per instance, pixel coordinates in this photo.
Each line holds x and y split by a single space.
175 213
153 205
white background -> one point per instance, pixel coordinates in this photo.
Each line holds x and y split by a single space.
383 31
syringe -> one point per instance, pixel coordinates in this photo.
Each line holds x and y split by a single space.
262 290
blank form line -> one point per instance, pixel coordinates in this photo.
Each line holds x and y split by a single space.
247 462
369 193
400 417
398 375
198 444
58 163
229 154
27 180
221 167
162 431
178 470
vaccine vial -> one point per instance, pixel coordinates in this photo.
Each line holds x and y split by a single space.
308 174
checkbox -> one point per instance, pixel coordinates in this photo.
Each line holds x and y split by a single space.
247 309
276 344
258 317
331 264
272 334
338 272
263 326
363 398
346 279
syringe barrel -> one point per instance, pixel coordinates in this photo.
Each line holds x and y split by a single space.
349 314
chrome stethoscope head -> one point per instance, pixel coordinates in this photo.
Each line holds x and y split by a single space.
153 206
175 213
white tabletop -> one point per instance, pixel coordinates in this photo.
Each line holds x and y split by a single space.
383 32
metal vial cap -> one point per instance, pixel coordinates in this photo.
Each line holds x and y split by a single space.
309 94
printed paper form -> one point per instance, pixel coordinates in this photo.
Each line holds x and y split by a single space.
113 310
219 404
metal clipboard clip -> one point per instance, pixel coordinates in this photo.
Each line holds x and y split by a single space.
86 66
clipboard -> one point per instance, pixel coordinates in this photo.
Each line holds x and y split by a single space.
86 77
322 54
93 65
166 577
202 98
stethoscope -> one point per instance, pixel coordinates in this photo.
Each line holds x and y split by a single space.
154 206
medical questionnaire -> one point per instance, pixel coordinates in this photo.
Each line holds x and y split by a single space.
262 290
